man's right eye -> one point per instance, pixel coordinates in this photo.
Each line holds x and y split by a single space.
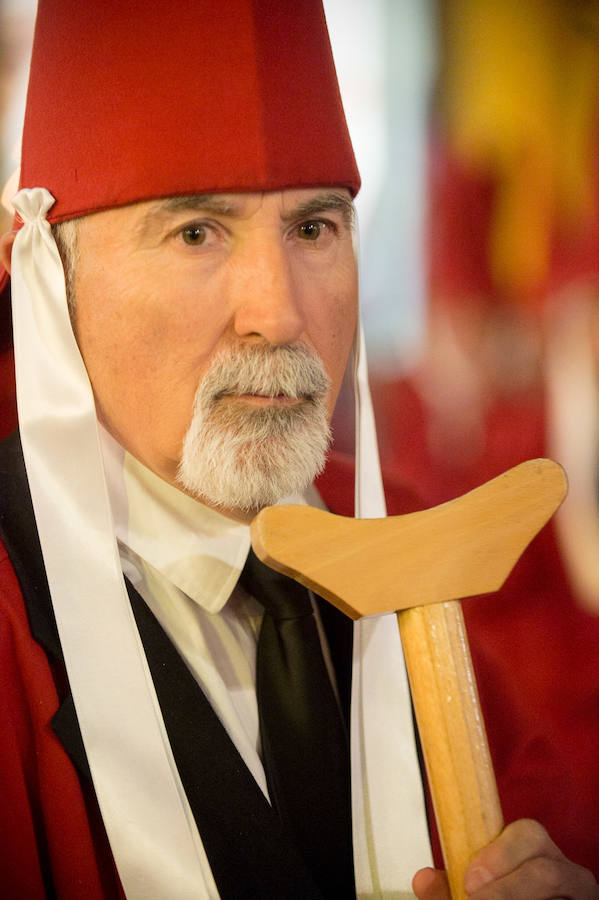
194 235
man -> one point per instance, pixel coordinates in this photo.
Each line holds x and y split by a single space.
212 292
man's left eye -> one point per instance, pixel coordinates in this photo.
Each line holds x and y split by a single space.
194 235
311 231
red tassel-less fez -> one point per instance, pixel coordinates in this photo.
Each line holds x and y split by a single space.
130 100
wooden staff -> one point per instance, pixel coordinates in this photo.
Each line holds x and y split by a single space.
421 565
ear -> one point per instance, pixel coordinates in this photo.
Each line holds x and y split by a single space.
6 242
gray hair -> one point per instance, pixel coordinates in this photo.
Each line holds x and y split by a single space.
65 235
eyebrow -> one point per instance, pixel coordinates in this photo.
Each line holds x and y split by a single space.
322 203
194 203
212 203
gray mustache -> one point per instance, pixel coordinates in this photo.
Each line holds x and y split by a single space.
269 371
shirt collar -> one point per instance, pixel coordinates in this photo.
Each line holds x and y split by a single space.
195 547
199 550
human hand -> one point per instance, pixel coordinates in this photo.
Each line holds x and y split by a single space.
523 863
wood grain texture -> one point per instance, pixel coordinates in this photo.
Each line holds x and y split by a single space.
452 733
459 549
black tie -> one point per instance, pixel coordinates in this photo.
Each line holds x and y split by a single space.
304 742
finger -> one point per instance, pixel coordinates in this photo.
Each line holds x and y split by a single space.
523 863
520 841
541 878
430 884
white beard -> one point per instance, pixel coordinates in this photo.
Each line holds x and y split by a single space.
244 457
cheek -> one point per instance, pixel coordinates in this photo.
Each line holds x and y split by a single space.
111 338
145 345
123 347
336 341
151 328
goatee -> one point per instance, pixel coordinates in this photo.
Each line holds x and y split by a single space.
244 456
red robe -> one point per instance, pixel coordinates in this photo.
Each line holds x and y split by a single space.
44 823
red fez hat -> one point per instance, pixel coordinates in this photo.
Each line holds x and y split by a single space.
134 99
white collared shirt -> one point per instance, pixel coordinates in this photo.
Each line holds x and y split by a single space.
184 559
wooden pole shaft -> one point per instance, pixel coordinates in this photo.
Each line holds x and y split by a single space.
452 733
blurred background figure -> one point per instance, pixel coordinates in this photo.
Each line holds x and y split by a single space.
512 228
509 371
476 128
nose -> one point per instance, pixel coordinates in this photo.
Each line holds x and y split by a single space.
269 295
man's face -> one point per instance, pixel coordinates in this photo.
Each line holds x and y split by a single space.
163 288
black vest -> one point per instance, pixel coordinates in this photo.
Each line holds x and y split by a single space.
251 853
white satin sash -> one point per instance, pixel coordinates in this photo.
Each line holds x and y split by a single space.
391 840
151 830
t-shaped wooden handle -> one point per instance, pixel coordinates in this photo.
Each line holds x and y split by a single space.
420 565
